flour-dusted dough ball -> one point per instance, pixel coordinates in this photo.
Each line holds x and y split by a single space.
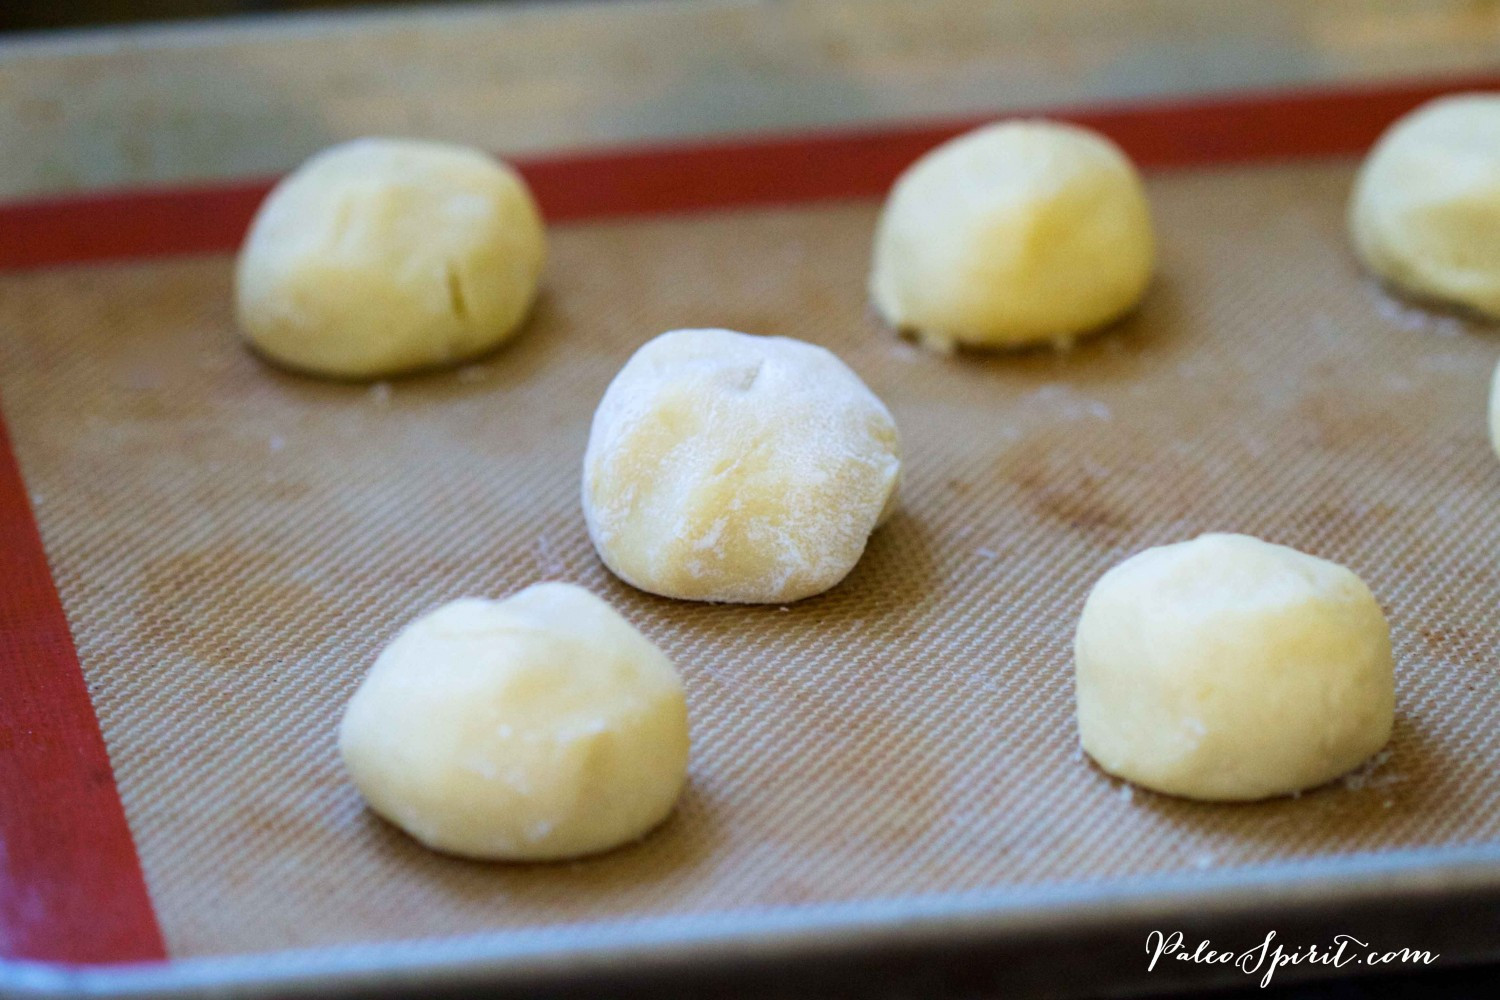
538 727
1425 215
383 256
1015 233
1230 668
726 467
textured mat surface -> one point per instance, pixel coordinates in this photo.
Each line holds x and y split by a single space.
233 545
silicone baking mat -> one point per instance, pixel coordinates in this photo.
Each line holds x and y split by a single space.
233 544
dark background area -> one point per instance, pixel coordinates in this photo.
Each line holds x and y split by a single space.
35 15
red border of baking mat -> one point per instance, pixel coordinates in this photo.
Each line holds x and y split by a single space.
72 888
758 171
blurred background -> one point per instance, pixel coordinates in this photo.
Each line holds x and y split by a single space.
30 15
162 92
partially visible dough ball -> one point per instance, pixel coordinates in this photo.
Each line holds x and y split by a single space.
726 467
1425 214
1495 411
538 727
1014 233
1230 668
383 256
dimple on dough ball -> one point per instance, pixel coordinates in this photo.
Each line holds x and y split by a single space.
538 727
726 467
1015 233
1229 668
1425 214
383 256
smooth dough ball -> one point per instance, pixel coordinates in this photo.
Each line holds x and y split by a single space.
538 727
1230 668
1014 233
726 467
1425 215
383 256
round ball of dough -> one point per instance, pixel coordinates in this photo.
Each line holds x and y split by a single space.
538 727
1425 214
1230 668
726 467
1014 233
383 256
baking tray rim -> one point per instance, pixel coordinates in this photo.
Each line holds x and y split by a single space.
1383 887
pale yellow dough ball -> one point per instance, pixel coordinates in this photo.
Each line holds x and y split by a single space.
538 727
726 467
1015 233
1425 214
384 256
1229 668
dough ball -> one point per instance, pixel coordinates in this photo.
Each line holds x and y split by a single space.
538 727
1015 233
726 467
383 256
1230 668
1425 215
1495 411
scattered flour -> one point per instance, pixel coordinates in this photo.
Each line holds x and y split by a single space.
1365 776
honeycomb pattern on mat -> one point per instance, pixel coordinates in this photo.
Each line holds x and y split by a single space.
234 544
